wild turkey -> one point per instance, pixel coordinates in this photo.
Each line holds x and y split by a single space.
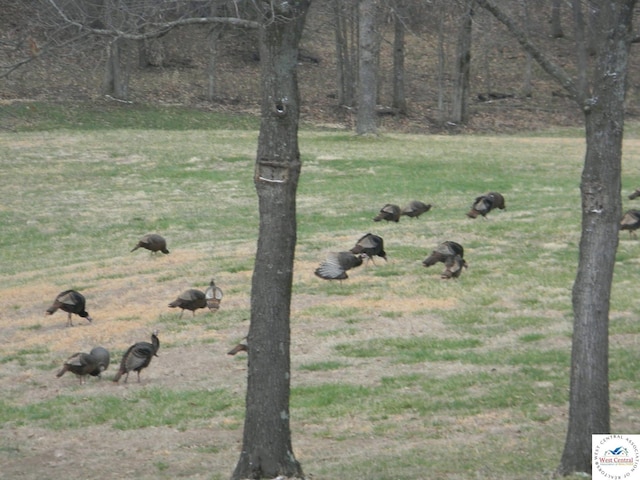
81 364
390 213
442 252
191 299
630 221
137 357
485 203
103 357
336 265
152 242
370 245
71 302
415 208
240 347
635 194
453 266
213 294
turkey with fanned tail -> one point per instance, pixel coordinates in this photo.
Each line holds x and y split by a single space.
103 357
82 364
335 266
213 296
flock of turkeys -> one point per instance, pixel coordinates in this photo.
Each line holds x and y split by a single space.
336 265
139 355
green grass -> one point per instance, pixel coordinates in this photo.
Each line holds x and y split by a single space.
35 116
150 407
396 373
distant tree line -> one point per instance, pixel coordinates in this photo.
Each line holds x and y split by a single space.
134 35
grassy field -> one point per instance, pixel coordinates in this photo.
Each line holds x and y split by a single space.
396 374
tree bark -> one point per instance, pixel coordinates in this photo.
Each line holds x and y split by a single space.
589 411
367 61
581 49
345 47
212 67
441 64
460 102
527 88
116 78
556 22
266 445
399 101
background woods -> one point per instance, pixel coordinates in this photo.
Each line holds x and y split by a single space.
430 61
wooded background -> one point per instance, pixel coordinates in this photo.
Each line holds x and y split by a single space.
215 65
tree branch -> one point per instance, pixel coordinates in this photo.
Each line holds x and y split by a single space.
547 65
159 29
37 52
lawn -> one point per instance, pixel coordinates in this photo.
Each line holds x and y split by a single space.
396 373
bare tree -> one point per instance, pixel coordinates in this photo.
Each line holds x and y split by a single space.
345 20
459 104
21 46
214 39
602 101
125 22
266 444
556 19
442 56
526 80
581 46
368 49
399 101
116 75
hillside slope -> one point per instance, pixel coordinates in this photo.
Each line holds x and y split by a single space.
181 57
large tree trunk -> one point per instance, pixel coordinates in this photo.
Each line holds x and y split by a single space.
601 211
603 106
367 63
266 445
